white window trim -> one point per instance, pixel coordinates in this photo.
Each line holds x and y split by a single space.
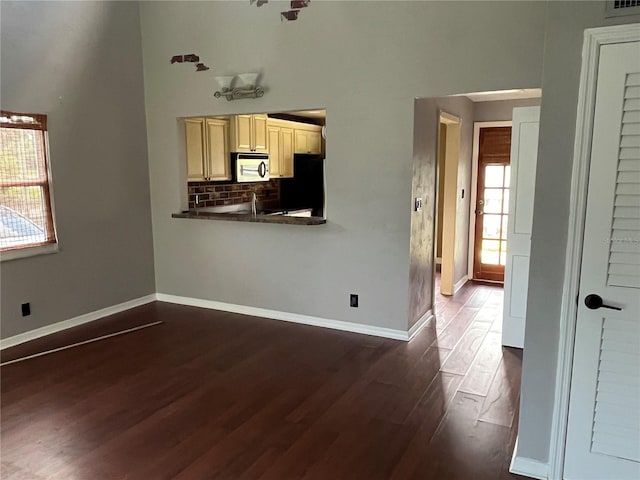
26 251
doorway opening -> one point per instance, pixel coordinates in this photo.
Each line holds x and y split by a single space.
475 323
482 196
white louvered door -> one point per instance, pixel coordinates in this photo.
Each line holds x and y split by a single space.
603 438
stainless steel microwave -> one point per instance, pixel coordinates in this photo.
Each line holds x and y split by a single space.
251 167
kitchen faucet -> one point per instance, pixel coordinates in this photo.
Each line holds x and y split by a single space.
254 210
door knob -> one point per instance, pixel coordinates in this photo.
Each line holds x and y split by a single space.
593 302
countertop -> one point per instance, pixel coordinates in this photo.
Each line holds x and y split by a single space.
248 217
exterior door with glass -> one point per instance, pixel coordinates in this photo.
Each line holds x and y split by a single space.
492 204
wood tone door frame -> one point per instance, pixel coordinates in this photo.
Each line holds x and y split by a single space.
477 126
449 198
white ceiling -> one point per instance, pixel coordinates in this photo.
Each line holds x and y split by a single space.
516 94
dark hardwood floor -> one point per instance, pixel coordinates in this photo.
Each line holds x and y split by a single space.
213 395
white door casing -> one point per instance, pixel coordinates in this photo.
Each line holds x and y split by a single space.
603 433
450 199
524 158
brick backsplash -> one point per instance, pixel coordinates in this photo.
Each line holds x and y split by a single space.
215 194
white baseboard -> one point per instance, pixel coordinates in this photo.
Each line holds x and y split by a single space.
227 307
460 283
293 317
527 466
74 322
419 325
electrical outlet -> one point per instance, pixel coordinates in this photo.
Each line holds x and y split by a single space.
353 300
26 309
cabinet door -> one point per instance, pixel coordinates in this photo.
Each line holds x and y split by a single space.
314 142
286 152
242 136
218 149
194 139
274 151
301 141
259 143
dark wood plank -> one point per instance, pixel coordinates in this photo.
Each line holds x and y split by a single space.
224 396
466 349
452 334
502 400
121 321
427 416
491 310
479 297
478 379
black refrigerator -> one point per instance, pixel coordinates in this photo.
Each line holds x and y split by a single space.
306 188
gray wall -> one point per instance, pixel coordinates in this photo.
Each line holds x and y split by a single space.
563 47
365 62
80 63
500 110
425 155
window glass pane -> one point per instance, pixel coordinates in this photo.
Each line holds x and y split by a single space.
491 226
505 223
505 205
21 155
490 253
25 209
503 253
492 200
23 216
493 176
507 176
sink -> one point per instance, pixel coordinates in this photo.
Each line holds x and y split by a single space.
236 212
245 211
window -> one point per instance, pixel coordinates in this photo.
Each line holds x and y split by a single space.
26 219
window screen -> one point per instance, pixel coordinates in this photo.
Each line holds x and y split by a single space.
25 206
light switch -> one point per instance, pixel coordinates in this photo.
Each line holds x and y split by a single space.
418 204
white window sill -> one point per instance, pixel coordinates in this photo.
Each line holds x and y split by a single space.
28 252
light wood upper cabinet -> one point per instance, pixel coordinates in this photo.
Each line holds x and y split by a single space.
314 141
217 132
286 152
274 151
301 141
260 134
242 133
249 133
207 142
280 148
308 139
194 139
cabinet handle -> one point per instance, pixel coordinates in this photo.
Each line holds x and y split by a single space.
262 169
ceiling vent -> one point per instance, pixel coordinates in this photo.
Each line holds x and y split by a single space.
618 8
